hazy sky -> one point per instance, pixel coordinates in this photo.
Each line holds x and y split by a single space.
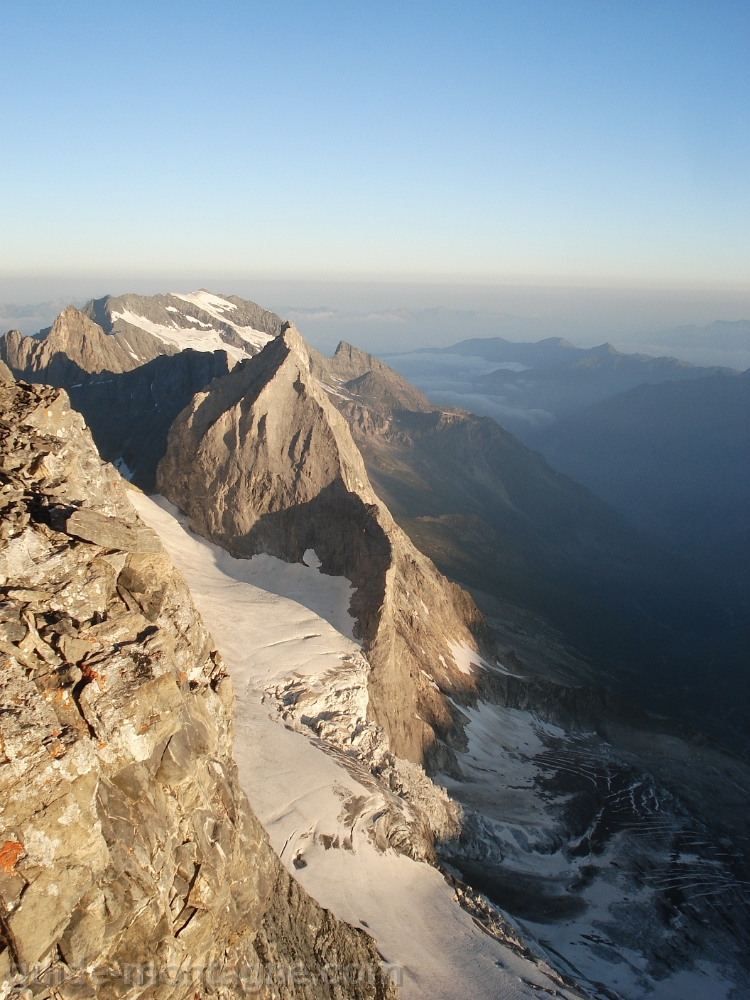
605 140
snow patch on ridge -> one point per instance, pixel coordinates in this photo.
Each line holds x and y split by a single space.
206 300
198 340
201 335
216 307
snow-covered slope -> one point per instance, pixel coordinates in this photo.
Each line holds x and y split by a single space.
322 815
592 904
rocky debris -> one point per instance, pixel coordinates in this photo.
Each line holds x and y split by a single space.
110 532
130 860
263 462
73 346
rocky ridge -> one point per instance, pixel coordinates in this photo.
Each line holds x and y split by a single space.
131 862
75 345
263 462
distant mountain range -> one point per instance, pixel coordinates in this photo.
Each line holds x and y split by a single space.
721 343
564 802
525 386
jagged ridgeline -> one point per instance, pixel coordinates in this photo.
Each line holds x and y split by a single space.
131 861
489 512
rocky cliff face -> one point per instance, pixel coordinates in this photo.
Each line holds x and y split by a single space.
130 860
129 414
75 345
263 462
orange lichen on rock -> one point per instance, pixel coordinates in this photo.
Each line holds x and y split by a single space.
10 852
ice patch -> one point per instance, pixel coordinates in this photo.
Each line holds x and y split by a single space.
201 337
216 307
121 466
198 340
466 658
310 559
206 300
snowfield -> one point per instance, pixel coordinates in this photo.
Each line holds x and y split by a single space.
315 812
285 632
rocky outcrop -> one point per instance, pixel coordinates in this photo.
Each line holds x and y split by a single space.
74 345
263 462
130 860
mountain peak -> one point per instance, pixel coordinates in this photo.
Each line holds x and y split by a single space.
291 337
262 461
74 344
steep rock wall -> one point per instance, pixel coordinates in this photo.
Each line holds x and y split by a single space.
263 462
130 860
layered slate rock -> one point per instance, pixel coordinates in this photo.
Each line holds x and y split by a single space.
130 860
263 462
75 345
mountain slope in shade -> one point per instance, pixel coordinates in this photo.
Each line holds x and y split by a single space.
493 515
262 462
198 320
130 413
556 377
675 459
443 464
75 344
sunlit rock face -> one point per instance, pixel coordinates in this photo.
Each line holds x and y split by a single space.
76 346
126 843
263 462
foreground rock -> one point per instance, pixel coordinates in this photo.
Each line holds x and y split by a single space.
130 860
263 462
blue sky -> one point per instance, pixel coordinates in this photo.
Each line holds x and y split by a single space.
527 141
